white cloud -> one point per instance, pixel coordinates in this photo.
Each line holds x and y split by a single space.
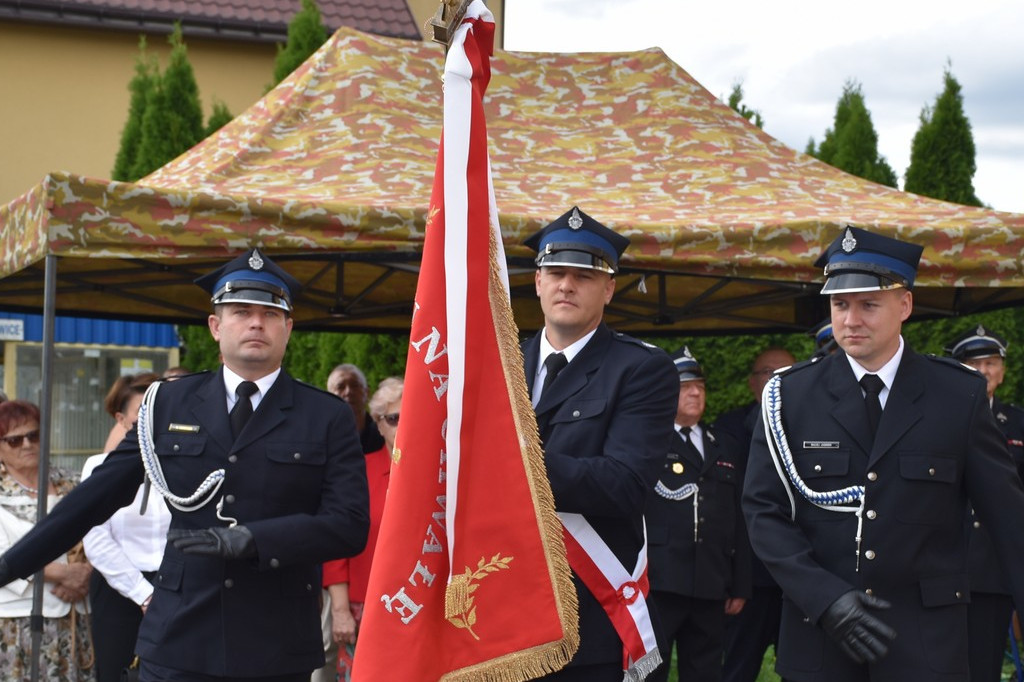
794 56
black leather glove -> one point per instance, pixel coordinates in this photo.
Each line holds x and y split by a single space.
859 634
235 542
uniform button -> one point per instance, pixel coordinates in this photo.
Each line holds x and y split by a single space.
931 471
229 583
806 619
871 513
869 592
817 467
869 555
700 541
872 476
575 413
297 456
230 499
700 520
176 447
977 524
959 595
309 588
274 563
233 458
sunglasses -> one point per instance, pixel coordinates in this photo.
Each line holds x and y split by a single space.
389 419
31 437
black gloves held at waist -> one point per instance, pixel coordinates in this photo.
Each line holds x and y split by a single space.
235 542
859 634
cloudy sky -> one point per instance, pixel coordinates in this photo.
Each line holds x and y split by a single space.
794 56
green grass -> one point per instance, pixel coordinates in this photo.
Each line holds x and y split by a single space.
767 673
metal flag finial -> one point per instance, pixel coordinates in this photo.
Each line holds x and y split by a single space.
447 19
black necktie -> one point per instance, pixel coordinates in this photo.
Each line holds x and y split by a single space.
684 431
872 386
242 410
555 363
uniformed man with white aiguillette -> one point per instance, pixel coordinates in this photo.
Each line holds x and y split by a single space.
699 553
266 481
604 403
859 482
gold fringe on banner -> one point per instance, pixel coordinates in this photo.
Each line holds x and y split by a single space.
541 660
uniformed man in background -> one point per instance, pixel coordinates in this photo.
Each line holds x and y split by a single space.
604 403
280 487
991 604
699 554
857 496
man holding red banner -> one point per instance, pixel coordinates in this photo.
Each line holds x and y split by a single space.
605 404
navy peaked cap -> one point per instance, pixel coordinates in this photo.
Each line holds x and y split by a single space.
859 260
251 278
977 342
687 366
576 240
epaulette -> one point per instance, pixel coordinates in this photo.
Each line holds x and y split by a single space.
796 367
316 388
950 362
619 336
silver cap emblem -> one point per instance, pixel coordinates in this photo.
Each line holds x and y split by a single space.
575 221
255 262
849 243
980 331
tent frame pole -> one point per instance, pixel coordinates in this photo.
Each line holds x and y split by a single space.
45 421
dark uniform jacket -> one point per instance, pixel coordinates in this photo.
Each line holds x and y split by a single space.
986 574
937 448
714 562
605 425
295 478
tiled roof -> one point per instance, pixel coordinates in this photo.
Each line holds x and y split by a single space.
261 20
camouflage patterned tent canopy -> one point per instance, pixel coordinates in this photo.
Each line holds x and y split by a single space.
331 174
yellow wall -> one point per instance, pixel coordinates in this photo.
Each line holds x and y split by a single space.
66 94
424 10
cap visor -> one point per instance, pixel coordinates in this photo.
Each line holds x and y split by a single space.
254 297
856 282
574 259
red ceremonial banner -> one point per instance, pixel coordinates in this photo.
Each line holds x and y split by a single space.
469 578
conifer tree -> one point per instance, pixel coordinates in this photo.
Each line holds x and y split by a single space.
942 154
737 105
147 72
219 117
173 121
851 144
306 33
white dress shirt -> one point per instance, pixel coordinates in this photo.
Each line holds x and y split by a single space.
128 543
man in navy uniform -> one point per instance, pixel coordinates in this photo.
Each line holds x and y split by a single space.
991 604
857 496
749 633
277 494
699 555
604 403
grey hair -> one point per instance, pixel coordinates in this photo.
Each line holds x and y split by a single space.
388 391
349 368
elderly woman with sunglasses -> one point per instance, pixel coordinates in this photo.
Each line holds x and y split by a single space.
65 646
346 579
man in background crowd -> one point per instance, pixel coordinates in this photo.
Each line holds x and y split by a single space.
699 554
749 633
991 604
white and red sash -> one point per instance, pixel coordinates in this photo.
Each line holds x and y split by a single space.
622 595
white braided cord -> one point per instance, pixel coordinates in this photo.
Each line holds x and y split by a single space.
849 499
677 494
206 490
